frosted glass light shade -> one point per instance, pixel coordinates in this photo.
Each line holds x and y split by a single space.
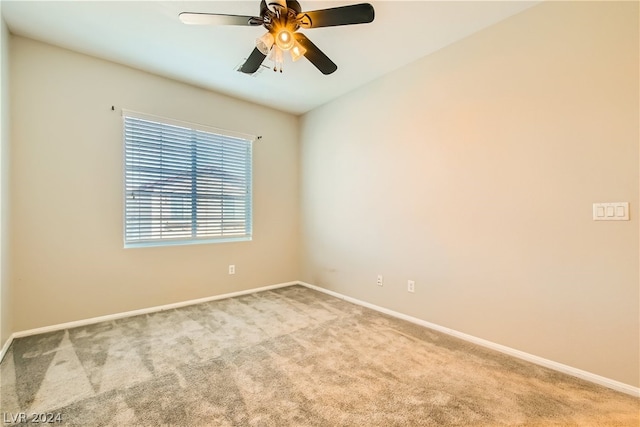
284 39
297 51
265 43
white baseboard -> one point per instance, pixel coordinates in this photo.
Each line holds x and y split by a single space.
90 321
588 376
6 346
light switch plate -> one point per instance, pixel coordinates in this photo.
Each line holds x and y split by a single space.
618 211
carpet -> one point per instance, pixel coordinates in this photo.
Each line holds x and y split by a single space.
286 357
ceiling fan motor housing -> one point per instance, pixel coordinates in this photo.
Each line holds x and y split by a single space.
277 5
281 18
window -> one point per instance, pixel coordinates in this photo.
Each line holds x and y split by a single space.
184 183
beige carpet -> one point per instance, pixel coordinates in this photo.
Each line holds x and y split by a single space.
286 357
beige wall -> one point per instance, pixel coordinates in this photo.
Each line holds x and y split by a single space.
6 328
473 172
66 193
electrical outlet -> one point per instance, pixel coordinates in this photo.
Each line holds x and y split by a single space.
232 269
379 282
411 286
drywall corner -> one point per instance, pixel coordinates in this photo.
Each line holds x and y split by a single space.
5 135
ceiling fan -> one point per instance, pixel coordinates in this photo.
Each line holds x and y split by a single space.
282 19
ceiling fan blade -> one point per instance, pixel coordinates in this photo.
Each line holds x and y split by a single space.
315 55
194 18
253 62
362 13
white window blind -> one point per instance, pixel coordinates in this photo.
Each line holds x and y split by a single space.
184 183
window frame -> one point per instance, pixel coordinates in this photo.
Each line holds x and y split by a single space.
250 139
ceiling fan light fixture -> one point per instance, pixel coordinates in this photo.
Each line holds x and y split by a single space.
265 43
297 51
284 39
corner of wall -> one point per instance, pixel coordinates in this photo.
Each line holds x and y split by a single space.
6 326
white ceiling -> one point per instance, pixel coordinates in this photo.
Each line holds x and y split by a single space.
149 36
